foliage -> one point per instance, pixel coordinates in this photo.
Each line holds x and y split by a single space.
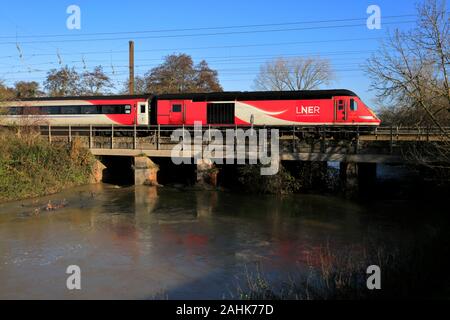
30 166
68 82
22 89
6 93
281 183
294 74
95 82
292 177
27 89
205 79
331 274
178 74
62 82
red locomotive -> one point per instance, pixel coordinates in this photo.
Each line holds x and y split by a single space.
275 109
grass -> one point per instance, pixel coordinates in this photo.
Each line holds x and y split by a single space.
31 167
417 272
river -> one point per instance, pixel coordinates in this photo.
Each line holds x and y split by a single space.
148 242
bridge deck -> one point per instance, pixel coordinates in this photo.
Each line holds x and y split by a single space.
383 144
284 156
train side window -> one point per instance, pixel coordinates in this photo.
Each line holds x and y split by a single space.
142 108
70 110
50 110
89 110
45 110
31 111
176 108
340 105
127 109
353 105
114 109
108 109
15 111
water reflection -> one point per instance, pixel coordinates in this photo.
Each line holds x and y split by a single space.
137 242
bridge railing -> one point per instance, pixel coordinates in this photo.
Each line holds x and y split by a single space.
293 139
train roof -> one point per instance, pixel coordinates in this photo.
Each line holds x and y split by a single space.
216 96
104 97
259 95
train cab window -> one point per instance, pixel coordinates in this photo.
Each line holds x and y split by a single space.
176 108
353 105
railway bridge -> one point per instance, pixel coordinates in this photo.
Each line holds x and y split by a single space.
358 150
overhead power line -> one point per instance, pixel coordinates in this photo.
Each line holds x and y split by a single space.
201 28
202 48
202 34
213 59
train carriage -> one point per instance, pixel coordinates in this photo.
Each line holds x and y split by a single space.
276 109
98 110
281 108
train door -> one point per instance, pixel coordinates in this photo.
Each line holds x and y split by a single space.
352 115
340 109
142 113
176 112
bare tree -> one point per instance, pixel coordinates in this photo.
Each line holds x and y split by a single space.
140 85
6 93
24 124
95 82
27 89
294 74
179 74
410 71
62 82
67 81
206 79
410 76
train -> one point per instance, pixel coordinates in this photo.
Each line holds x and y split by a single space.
338 107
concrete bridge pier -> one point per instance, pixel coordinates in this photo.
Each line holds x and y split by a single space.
348 172
145 171
207 173
357 178
98 170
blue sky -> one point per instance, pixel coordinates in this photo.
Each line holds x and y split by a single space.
237 56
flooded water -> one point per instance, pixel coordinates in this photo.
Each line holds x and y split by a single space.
146 242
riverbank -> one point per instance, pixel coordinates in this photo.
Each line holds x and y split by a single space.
31 167
406 272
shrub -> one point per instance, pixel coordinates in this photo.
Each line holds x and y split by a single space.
31 167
